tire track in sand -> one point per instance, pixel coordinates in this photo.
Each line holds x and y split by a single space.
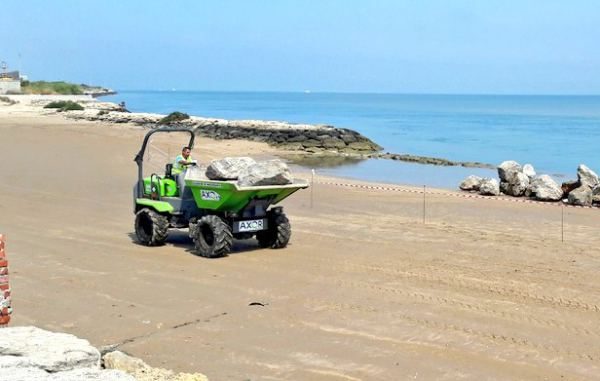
480 285
439 300
498 338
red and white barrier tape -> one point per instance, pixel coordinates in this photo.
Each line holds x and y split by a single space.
452 194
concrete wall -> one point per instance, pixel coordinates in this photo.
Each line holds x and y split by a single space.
10 86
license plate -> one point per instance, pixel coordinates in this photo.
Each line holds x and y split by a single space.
250 226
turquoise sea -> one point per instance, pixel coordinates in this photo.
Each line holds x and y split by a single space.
554 133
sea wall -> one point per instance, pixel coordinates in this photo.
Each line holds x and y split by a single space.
294 137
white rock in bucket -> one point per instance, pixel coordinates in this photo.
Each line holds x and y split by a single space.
229 168
195 172
271 172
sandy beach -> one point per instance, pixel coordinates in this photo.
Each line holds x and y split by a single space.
367 290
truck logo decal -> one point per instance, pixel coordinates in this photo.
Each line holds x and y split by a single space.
209 195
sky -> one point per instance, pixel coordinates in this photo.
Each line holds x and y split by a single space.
397 46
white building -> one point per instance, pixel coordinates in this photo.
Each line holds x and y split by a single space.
10 81
10 86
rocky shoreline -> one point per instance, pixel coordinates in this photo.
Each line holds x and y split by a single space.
293 137
523 181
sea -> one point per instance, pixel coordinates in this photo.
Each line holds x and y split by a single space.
553 133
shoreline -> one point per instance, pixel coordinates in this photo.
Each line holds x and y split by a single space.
309 140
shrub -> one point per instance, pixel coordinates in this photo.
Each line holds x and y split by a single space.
64 105
57 104
174 117
43 87
7 100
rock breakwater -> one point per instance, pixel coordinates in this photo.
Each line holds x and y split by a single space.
302 139
294 137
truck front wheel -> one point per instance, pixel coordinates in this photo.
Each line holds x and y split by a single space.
278 234
212 237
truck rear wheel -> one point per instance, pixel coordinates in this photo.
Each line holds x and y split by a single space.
151 228
278 234
212 237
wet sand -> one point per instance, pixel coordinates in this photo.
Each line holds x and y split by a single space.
483 289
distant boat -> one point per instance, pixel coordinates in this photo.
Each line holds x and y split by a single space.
307 91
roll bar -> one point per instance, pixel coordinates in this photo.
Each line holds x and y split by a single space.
139 158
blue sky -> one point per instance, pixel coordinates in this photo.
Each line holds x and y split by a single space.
425 46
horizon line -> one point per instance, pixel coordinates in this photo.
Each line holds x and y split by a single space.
309 92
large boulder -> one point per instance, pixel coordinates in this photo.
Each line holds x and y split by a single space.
471 183
581 196
529 171
229 168
544 188
271 172
489 187
587 177
121 361
30 353
50 351
513 181
507 169
569 186
596 194
517 186
141 371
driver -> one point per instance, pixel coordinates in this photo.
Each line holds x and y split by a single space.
182 162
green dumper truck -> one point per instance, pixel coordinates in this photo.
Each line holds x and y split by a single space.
215 212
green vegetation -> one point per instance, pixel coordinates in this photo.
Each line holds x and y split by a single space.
64 105
174 117
43 87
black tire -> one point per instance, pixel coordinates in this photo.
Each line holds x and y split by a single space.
212 237
278 234
151 228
